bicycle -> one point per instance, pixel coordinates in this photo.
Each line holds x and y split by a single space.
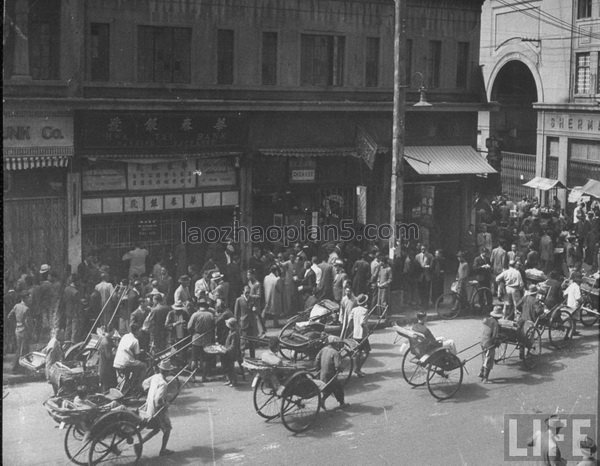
480 299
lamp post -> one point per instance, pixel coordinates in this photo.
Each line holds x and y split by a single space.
398 130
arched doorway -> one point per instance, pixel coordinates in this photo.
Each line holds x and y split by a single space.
515 124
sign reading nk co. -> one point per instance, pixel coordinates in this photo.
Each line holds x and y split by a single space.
54 131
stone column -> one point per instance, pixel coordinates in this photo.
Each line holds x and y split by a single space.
21 43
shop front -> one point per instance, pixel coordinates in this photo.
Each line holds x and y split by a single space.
568 147
37 152
317 170
148 179
439 188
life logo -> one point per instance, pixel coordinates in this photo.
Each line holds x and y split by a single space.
535 437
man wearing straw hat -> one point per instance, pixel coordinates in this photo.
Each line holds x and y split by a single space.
489 337
157 407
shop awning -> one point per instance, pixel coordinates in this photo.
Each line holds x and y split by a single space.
592 187
311 152
446 160
35 161
544 184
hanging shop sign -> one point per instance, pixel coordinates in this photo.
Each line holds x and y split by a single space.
41 131
302 169
104 179
158 131
218 171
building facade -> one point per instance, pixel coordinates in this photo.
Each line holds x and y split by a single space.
198 114
540 62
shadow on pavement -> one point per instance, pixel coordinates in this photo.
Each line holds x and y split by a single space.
467 392
201 454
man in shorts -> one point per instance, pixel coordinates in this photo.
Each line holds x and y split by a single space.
513 283
202 328
359 317
157 407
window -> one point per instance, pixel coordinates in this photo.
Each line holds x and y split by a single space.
584 9
372 62
44 39
164 54
225 56
587 151
322 60
552 147
582 74
99 52
409 55
462 65
269 58
434 63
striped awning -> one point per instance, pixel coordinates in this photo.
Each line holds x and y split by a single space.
446 160
36 161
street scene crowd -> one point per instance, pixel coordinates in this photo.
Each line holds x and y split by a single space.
519 251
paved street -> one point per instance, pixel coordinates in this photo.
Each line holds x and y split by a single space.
386 423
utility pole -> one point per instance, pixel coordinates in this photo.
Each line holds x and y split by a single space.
397 175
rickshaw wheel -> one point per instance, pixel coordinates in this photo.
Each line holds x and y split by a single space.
115 444
444 383
446 306
76 448
74 351
413 372
266 401
533 351
586 317
561 328
300 402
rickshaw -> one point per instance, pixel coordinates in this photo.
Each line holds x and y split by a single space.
442 370
105 430
289 390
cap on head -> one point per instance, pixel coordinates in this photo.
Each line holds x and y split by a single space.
421 316
511 263
44 268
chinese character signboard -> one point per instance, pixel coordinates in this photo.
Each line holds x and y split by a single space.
193 201
133 204
153 203
163 175
159 131
174 201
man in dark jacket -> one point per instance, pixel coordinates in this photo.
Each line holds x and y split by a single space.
325 287
329 361
361 275
202 328
157 320
73 310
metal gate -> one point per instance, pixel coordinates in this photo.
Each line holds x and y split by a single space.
35 233
517 169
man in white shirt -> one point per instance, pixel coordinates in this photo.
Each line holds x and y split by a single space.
513 283
573 292
126 357
137 261
105 288
359 317
157 407
202 286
